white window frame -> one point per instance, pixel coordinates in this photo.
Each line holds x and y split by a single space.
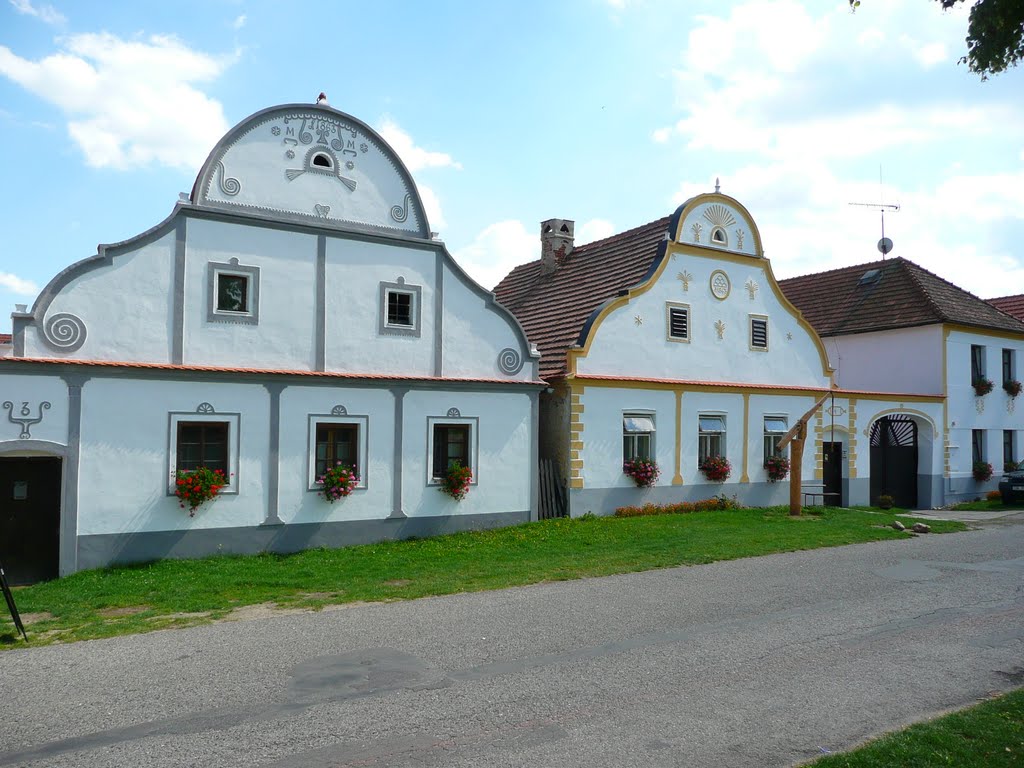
767 333
706 437
231 419
669 306
473 422
214 271
635 433
773 435
415 310
362 423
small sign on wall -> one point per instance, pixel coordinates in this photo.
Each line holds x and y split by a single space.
20 490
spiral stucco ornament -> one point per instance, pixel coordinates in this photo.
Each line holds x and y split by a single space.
64 332
510 361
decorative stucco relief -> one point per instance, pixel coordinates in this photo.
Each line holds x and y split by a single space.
24 419
64 332
510 361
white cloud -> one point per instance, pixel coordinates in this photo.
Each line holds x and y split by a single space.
589 231
239 22
45 13
18 285
415 158
661 135
432 205
496 250
129 102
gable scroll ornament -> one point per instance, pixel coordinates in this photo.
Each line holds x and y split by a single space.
24 418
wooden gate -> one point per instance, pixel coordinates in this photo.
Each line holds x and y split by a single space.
552 501
894 460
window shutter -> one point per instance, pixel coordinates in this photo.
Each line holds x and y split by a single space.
679 325
759 333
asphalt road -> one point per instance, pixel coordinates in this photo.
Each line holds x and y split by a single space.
760 662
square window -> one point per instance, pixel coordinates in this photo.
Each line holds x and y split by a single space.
336 439
637 436
203 439
336 444
450 440
234 293
710 437
758 332
400 309
677 319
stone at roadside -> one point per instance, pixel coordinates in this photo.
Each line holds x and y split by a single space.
898 525
921 528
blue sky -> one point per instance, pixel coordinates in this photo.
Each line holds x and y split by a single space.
608 112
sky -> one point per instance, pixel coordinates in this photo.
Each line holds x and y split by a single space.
607 112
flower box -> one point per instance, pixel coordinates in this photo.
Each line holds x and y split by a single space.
982 471
982 386
338 482
644 472
778 468
716 468
195 487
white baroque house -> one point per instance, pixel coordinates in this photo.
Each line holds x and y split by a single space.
293 311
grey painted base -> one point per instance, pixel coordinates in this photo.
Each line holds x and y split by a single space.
604 501
113 549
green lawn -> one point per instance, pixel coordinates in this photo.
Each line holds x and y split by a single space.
989 735
985 506
142 598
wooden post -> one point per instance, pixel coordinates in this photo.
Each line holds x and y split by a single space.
796 437
796 470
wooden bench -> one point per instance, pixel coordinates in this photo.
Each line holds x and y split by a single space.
813 491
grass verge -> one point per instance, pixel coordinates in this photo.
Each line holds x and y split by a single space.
989 735
986 506
169 593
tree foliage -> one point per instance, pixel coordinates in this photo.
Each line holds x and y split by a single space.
995 34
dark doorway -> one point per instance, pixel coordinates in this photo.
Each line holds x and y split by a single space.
894 460
30 518
832 459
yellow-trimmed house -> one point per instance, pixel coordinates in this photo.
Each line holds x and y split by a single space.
673 343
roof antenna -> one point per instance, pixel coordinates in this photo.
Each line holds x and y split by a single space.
885 244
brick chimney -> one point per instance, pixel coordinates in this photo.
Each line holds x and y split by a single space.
556 237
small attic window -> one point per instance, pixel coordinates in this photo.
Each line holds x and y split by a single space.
548 229
565 228
871 276
718 236
322 160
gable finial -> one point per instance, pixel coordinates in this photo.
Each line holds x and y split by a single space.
718 187
322 98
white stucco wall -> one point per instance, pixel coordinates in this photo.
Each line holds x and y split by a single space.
30 392
355 270
904 360
124 306
994 412
476 333
503 474
624 347
284 337
125 473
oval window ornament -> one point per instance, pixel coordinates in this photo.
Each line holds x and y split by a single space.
720 285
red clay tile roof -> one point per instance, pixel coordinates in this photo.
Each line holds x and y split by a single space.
553 308
900 295
1011 305
754 385
5 338
263 371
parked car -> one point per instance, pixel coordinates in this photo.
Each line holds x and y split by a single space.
1012 487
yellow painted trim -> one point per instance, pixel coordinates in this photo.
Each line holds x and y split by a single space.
744 477
576 408
576 445
576 482
677 247
677 478
949 327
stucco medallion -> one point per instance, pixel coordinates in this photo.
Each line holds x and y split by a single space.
720 285
24 418
510 361
64 332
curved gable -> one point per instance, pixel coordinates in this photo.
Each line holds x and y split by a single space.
312 162
718 222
